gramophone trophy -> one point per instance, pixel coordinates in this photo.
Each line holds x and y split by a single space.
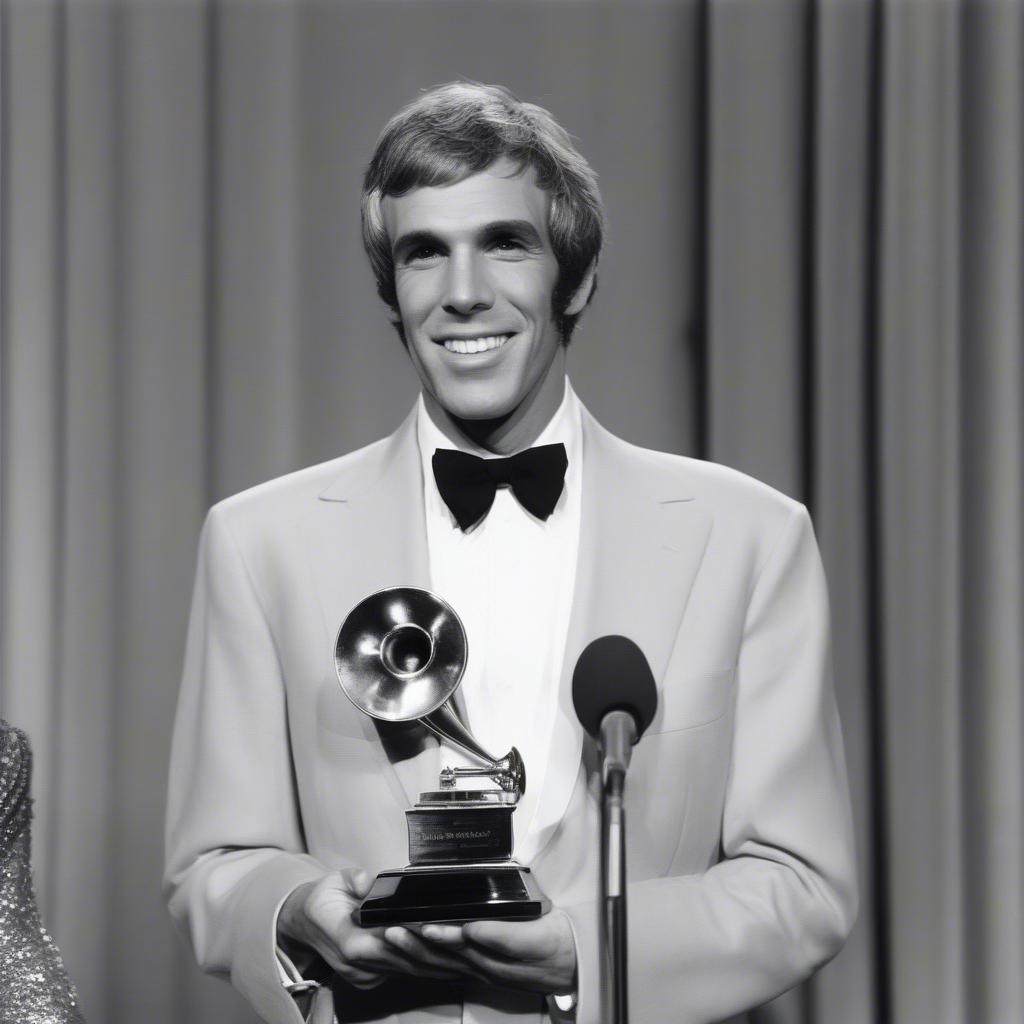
400 656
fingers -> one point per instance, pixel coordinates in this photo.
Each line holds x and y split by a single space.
511 939
424 956
362 956
496 937
454 942
360 979
450 936
355 881
544 938
398 952
355 974
329 929
539 955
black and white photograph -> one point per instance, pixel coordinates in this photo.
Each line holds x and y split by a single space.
512 511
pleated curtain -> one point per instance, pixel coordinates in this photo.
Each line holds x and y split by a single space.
814 274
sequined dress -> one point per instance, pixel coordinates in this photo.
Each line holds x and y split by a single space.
34 987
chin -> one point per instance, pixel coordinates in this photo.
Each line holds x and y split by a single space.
478 406
480 412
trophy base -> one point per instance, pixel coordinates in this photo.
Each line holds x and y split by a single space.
452 894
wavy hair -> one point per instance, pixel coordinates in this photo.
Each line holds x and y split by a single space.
459 129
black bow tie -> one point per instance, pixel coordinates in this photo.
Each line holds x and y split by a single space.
467 483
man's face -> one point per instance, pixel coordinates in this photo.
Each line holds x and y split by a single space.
474 277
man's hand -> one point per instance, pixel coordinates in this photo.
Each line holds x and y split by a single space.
539 956
318 915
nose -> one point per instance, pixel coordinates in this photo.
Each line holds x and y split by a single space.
467 288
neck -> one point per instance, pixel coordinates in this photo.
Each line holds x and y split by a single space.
515 431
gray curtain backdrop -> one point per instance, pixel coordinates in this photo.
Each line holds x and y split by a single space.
814 274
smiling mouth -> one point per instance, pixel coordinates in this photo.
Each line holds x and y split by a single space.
472 346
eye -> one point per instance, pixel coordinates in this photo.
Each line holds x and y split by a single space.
421 252
508 243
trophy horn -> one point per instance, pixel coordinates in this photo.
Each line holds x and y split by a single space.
400 656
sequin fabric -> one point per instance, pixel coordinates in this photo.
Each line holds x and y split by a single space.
34 987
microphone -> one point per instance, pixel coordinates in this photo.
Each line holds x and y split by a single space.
615 698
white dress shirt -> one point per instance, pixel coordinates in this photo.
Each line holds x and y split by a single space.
510 579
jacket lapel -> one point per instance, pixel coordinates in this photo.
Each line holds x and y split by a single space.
641 546
374 538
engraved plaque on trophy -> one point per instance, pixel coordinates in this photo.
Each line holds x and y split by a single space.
400 656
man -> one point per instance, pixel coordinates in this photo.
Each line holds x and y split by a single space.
483 225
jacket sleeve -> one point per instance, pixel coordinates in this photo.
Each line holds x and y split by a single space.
783 897
234 842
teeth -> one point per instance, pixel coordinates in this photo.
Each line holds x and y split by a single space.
470 346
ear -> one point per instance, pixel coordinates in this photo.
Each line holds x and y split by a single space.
581 296
396 322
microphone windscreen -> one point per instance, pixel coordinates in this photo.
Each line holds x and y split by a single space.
612 674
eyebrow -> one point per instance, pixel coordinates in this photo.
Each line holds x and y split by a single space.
486 233
499 228
413 240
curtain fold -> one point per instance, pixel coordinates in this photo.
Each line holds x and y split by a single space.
83 630
992 497
918 464
814 274
839 316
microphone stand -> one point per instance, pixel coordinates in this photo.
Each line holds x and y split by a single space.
618 733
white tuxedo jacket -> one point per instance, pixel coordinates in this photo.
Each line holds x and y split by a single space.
740 853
